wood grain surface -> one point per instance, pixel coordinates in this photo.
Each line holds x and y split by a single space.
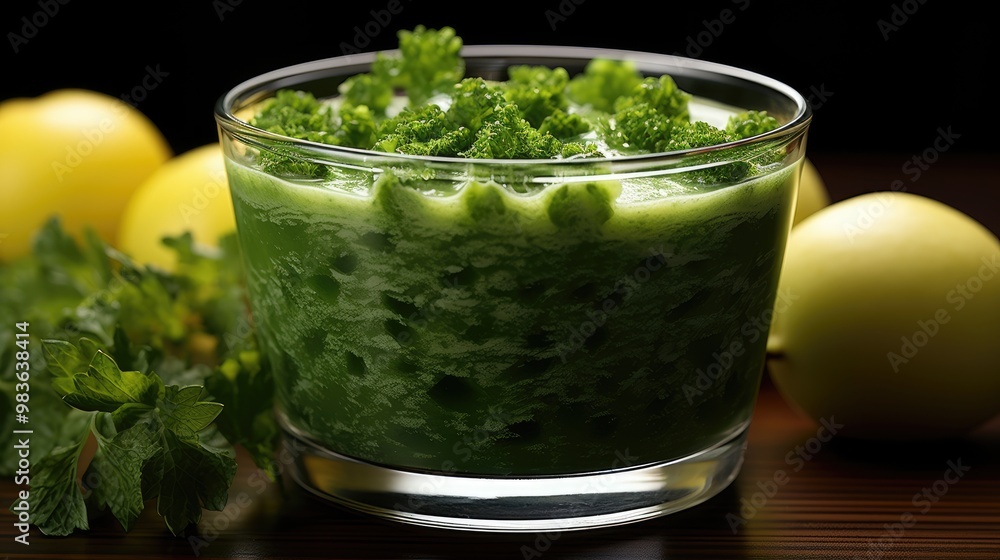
848 500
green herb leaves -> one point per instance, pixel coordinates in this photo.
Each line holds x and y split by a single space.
161 370
105 388
58 505
150 445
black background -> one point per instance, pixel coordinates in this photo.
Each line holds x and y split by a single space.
885 90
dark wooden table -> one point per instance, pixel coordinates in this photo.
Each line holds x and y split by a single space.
849 500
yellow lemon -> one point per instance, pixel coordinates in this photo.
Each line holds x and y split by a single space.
74 153
189 193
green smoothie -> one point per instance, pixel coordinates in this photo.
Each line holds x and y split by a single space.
414 331
482 325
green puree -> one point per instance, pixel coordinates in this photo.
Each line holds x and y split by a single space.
483 329
425 332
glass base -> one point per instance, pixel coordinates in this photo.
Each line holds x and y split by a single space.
509 504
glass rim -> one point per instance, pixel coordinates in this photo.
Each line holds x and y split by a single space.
300 73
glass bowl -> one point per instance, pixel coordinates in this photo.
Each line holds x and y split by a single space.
516 345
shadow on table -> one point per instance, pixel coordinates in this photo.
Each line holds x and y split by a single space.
918 456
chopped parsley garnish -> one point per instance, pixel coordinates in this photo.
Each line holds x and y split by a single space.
538 112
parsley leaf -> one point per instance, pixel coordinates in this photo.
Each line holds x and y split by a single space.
189 475
158 448
58 504
162 369
106 388
117 470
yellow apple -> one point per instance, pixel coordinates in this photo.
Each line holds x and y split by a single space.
894 323
813 195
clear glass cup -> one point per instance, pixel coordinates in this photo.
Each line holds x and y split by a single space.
516 345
